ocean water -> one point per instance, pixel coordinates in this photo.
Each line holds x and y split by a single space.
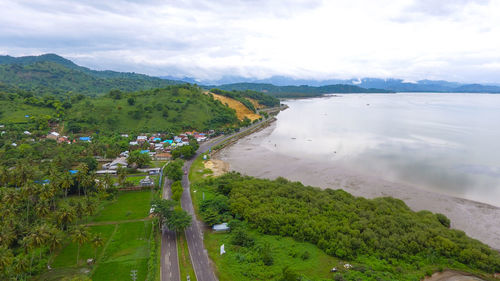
448 143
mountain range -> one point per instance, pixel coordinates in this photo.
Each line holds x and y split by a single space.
55 74
389 84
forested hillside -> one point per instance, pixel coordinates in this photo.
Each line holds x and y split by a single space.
171 109
298 91
54 74
382 237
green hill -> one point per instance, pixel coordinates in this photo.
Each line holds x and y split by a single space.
54 74
173 108
298 91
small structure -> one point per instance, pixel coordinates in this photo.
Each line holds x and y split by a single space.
222 250
146 182
221 227
133 143
163 156
87 139
347 266
73 172
120 161
27 133
334 269
53 135
103 172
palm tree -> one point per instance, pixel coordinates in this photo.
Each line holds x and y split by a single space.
21 265
54 240
6 259
66 182
79 235
97 242
65 216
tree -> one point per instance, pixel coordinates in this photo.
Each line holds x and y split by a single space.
178 220
97 242
174 170
6 259
65 216
131 101
79 235
177 190
140 159
54 239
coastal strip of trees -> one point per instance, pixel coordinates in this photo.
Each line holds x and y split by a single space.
383 234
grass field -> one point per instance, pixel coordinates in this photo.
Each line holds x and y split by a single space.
239 263
127 206
126 244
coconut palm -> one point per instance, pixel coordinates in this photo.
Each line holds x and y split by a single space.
79 235
6 259
54 240
97 242
66 182
65 216
21 265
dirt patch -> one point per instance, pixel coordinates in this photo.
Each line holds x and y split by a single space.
451 275
255 103
241 110
218 167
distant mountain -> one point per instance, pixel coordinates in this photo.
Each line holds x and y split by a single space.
390 84
298 91
53 73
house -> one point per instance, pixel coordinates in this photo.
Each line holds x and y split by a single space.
120 161
125 154
133 143
154 171
146 182
163 156
220 227
63 139
144 151
141 139
73 172
124 135
53 136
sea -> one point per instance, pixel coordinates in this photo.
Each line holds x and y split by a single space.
448 143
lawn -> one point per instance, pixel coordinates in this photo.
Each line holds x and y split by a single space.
128 205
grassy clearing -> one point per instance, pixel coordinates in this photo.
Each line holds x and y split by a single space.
185 266
127 206
240 263
67 256
128 250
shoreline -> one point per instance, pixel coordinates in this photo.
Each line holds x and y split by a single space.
246 155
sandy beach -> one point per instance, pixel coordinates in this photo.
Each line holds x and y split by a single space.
249 156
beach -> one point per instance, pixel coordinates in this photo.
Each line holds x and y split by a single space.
252 156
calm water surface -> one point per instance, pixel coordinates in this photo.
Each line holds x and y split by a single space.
448 143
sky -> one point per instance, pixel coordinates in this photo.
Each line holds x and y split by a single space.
455 40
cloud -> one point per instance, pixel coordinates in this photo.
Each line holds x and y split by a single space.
260 38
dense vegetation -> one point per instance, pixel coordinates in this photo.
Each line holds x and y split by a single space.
382 235
242 96
298 91
171 109
53 74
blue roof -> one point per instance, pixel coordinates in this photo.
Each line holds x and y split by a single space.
42 181
144 151
157 139
27 116
84 138
169 141
73 172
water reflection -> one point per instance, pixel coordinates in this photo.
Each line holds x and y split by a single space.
444 142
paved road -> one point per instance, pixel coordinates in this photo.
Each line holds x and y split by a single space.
169 259
194 234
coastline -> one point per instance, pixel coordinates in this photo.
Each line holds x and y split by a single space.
247 156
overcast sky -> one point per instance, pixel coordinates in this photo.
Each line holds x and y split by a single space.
455 40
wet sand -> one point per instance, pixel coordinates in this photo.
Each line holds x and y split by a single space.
249 156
